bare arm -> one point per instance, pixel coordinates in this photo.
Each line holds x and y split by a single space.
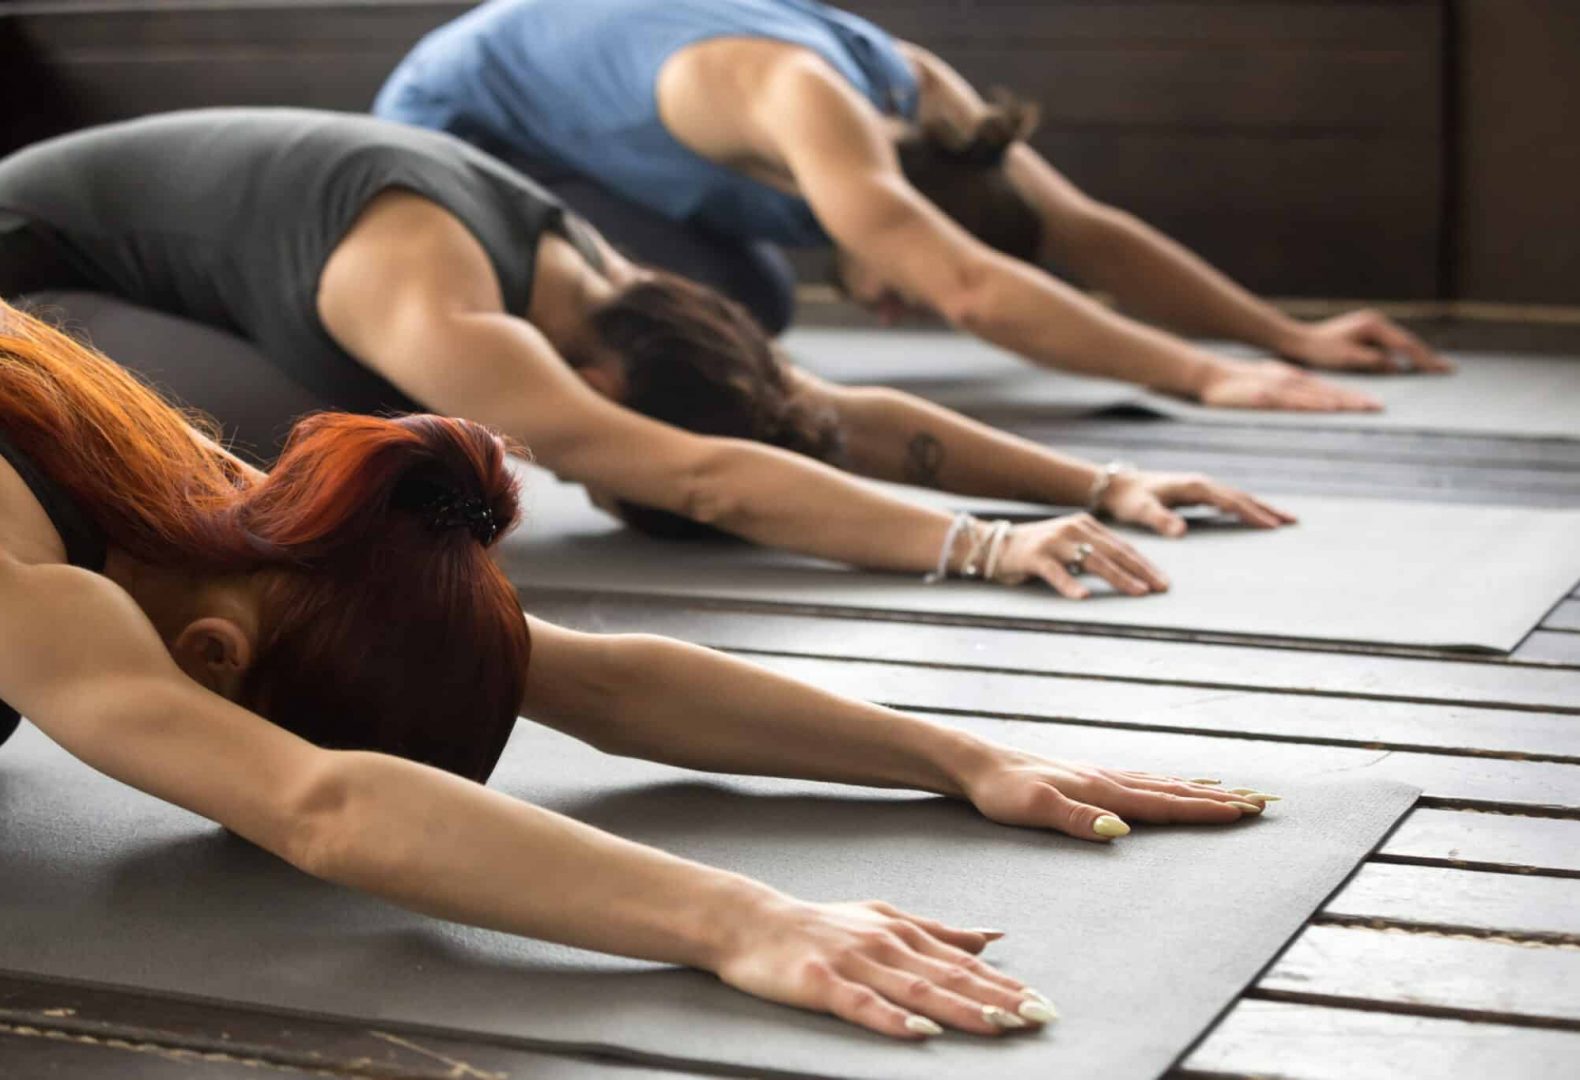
79 659
897 436
835 144
430 320
664 700
1146 271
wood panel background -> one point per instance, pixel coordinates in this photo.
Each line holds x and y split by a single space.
1299 144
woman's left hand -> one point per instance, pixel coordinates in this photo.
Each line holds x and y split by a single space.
1093 803
1145 498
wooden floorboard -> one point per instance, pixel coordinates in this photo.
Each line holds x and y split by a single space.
1558 648
1473 901
1304 1042
1509 842
1502 981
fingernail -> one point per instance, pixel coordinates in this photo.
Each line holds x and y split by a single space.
922 1026
1037 1012
1037 995
1205 780
991 935
1248 807
1252 793
1109 825
1001 1018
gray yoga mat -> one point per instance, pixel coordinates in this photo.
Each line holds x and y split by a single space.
1354 570
1141 944
1517 395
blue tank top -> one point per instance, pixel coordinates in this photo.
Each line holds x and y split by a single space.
572 85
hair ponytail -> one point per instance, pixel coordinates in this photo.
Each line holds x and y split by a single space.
1003 122
961 171
383 623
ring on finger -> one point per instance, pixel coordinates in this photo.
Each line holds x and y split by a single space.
1077 564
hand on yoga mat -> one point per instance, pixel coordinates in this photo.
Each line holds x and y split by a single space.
1059 549
1363 341
880 968
1273 384
1144 498
1092 803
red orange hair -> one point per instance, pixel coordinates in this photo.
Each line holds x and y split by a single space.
377 629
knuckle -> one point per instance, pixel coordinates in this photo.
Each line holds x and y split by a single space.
918 987
957 978
817 972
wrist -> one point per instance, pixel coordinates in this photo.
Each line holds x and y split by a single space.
959 760
1199 372
1287 338
725 910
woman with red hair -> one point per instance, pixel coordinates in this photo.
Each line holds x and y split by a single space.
306 657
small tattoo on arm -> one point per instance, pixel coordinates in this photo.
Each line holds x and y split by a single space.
924 457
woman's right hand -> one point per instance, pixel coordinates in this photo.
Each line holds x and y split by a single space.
880 968
1050 549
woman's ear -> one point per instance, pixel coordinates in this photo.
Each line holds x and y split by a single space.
215 652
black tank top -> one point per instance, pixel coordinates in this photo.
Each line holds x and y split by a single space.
227 217
84 542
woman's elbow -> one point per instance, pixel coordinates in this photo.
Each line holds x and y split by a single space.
313 826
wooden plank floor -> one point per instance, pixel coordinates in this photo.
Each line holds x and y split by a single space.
1454 951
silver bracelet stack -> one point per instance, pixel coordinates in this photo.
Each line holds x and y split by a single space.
941 571
982 556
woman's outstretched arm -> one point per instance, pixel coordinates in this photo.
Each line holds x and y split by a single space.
665 700
892 435
835 144
429 318
1156 277
80 659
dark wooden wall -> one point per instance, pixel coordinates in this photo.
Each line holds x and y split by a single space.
1299 144
1517 214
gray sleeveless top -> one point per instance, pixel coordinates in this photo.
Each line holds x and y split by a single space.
227 217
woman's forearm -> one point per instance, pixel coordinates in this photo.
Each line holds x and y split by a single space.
1158 279
1027 311
669 701
449 848
896 436
782 500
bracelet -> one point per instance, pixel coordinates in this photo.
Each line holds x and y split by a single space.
1105 480
995 548
979 542
941 571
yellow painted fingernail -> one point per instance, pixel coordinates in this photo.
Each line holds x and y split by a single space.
991 935
1248 807
1242 791
1037 1012
1205 780
1109 825
1001 1018
922 1026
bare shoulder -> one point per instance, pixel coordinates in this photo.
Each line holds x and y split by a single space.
61 626
404 255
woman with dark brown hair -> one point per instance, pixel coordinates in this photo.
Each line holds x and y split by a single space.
326 661
378 267
699 133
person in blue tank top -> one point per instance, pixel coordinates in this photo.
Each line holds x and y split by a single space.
700 134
